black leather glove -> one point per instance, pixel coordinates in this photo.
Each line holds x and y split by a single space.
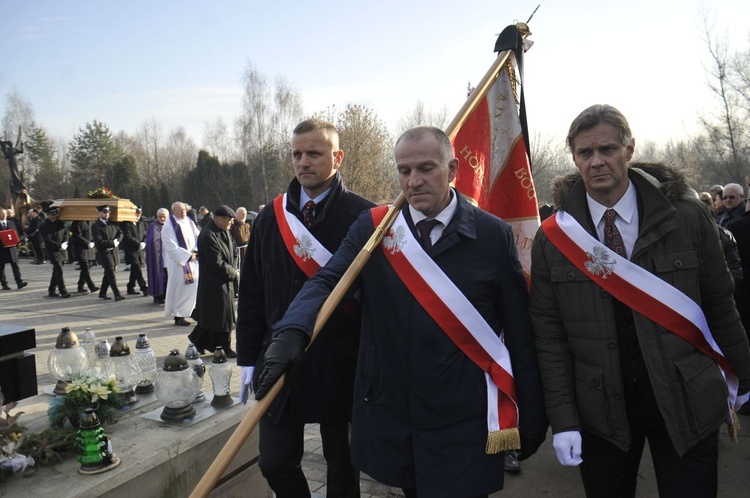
529 445
284 354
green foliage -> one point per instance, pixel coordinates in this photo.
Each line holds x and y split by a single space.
85 391
94 154
50 446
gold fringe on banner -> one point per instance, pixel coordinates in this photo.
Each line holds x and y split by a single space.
733 426
503 440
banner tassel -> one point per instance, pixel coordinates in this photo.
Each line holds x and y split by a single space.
733 426
503 440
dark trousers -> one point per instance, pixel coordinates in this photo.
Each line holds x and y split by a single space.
109 280
56 282
412 493
84 277
281 450
609 472
36 247
136 277
16 273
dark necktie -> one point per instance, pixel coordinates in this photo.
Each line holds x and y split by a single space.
425 228
612 237
308 212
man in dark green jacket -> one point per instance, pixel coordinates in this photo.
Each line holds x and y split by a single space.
615 374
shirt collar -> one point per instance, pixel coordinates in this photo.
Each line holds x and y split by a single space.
444 217
303 197
626 207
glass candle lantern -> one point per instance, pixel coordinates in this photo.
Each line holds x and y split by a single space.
68 359
146 358
195 361
88 342
221 376
125 368
177 385
94 448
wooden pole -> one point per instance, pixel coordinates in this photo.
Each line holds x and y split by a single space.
240 435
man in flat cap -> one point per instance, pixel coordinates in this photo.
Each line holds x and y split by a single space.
215 303
107 237
55 237
133 244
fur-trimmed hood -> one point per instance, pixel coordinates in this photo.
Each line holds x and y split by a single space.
672 183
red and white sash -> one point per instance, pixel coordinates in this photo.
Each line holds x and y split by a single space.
661 303
460 320
305 249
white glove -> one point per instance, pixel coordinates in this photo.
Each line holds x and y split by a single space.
143 245
741 400
64 246
246 383
116 242
91 245
568 447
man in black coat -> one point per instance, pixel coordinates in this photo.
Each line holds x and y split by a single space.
84 249
274 270
35 236
133 244
56 242
9 255
107 236
214 307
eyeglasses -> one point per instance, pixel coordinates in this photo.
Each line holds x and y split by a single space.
730 197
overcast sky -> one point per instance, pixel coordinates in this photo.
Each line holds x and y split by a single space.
181 62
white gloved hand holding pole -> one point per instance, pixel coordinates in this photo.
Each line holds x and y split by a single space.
568 448
246 383
116 242
64 246
91 245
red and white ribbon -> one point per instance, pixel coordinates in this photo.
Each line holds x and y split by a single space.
456 316
305 249
626 281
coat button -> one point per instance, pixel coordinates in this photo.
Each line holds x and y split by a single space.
366 399
678 263
571 276
604 294
626 445
616 395
611 344
594 383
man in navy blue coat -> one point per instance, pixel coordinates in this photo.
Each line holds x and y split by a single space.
421 404
312 218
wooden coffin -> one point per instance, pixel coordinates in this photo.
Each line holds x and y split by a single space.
85 209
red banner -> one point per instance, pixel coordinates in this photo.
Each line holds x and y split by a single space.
494 170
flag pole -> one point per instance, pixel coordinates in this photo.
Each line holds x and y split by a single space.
240 435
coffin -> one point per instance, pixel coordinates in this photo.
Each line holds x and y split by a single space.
85 209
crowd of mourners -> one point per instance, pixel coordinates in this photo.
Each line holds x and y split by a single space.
445 363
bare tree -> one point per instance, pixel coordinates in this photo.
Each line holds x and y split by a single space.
264 131
368 168
548 162
219 142
724 150
418 115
